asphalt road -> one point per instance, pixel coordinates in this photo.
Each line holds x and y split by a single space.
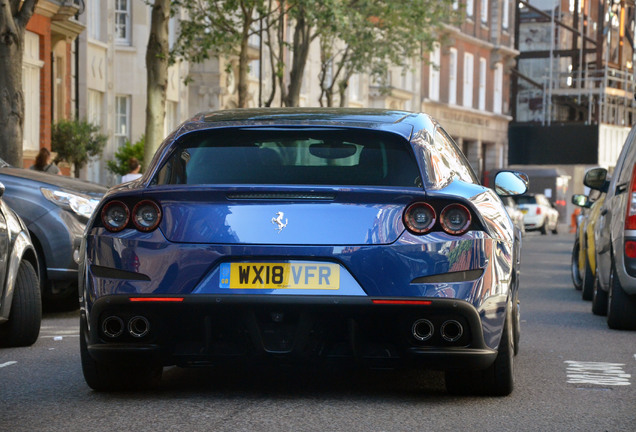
573 374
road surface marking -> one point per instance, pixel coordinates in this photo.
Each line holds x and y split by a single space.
9 363
597 373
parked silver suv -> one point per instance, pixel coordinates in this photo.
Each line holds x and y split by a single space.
615 237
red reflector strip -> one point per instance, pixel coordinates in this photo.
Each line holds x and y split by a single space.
630 249
404 302
156 299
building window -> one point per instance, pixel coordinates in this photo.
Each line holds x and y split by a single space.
433 83
470 7
505 13
171 121
455 4
482 84
452 77
122 120
122 22
95 103
498 90
354 88
93 24
31 66
469 70
484 11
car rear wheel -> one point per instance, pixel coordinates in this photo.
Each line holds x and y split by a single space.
544 228
574 266
621 307
115 377
555 230
25 316
496 380
587 287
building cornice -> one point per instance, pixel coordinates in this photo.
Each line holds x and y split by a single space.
456 33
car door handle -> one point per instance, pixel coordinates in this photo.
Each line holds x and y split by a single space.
621 188
603 212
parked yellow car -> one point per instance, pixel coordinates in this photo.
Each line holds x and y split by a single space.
584 251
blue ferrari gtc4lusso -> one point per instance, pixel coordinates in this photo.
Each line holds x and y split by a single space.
303 235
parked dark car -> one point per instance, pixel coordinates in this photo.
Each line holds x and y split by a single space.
20 302
55 210
302 236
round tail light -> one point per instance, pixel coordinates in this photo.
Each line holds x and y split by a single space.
455 219
115 216
419 218
146 215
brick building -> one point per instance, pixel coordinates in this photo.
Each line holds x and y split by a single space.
466 80
49 74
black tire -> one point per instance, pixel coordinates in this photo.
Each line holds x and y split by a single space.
621 307
25 317
577 280
556 228
587 287
544 227
496 380
115 377
599 298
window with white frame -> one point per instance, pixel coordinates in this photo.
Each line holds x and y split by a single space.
482 84
122 22
172 31
498 89
505 20
93 10
433 82
95 103
122 120
452 77
469 71
31 66
484 11
470 7
171 121
354 88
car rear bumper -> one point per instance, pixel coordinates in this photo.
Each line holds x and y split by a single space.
202 329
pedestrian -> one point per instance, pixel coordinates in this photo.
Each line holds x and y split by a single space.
133 170
44 163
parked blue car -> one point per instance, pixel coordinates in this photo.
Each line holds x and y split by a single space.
55 210
303 235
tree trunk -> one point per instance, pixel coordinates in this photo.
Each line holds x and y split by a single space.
244 60
302 41
12 26
157 62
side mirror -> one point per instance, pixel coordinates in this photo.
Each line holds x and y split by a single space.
581 200
511 183
596 178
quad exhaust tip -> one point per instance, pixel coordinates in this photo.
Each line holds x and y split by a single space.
138 326
452 330
422 329
113 326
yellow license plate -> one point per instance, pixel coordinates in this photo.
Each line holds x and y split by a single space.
524 211
291 275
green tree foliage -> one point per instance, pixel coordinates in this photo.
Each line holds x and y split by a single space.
123 155
369 36
76 141
220 28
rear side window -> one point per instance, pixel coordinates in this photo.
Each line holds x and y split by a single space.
291 157
523 199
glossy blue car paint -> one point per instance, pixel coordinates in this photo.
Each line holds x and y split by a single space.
357 231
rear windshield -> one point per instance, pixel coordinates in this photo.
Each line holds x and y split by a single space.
523 199
291 157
